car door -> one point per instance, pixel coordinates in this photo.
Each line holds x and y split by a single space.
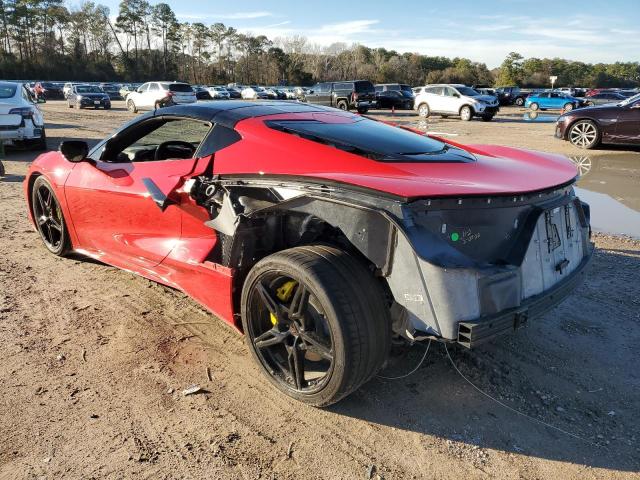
556 100
450 101
628 125
114 196
434 97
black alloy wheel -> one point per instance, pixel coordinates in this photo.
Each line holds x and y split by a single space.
316 321
48 218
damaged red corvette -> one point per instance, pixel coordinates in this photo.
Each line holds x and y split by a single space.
322 235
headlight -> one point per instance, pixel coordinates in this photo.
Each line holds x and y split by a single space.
79 97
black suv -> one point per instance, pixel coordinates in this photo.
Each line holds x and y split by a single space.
358 94
511 95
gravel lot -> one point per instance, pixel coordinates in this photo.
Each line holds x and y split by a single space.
93 361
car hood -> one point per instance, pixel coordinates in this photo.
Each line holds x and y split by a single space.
486 98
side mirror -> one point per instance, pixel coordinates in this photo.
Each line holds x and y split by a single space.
74 150
139 90
457 95
310 91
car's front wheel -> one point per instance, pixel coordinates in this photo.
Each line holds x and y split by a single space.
534 106
131 106
519 101
362 110
568 107
487 117
343 105
48 218
466 113
316 322
584 134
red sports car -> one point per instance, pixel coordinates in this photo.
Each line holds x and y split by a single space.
320 234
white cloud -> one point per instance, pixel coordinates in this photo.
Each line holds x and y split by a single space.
225 16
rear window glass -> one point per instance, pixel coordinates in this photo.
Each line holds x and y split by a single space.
364 87
372 139
7 90
178 87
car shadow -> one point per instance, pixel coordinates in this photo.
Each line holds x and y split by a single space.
12 178
557 370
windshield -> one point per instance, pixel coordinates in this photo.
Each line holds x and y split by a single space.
7 90
630 100
88 89
373 139
469 92
406 88
110 88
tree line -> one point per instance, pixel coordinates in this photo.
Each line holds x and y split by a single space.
47 40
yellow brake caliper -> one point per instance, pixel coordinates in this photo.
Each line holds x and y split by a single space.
284 294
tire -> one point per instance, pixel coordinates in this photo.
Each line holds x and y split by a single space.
519 101
107 107
534 106
70 105
584 134
345 308
423 110
567 107
466 113
588 104
362 110
487 118
343 105
131 106
1 169
49 219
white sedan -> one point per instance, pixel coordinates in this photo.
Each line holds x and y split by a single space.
21 120
218 92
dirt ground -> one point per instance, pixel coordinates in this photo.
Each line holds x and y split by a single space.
93 361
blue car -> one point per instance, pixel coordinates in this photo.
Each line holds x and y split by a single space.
552 100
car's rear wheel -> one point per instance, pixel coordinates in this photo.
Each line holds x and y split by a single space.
584 134
343 105
423 110
534 106
48 217
316 321
519 101
487 117
568 107
70 104
131 106
466 113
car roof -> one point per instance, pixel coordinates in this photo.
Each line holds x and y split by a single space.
229 112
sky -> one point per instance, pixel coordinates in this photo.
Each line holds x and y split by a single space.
482 30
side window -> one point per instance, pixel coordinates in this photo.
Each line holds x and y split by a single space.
448 91
158 139
153 87
379 89
144 87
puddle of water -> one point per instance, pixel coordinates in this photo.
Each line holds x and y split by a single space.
531 116
610 184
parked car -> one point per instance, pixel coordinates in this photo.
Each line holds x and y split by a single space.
511 96
552 100
153 95
315 232
128 88
603 98
254 93
276 93
606 124
112 90
85 96
52 91
219 93
394 95
356 94
394 99
454 99
290 93
233 92
21 121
